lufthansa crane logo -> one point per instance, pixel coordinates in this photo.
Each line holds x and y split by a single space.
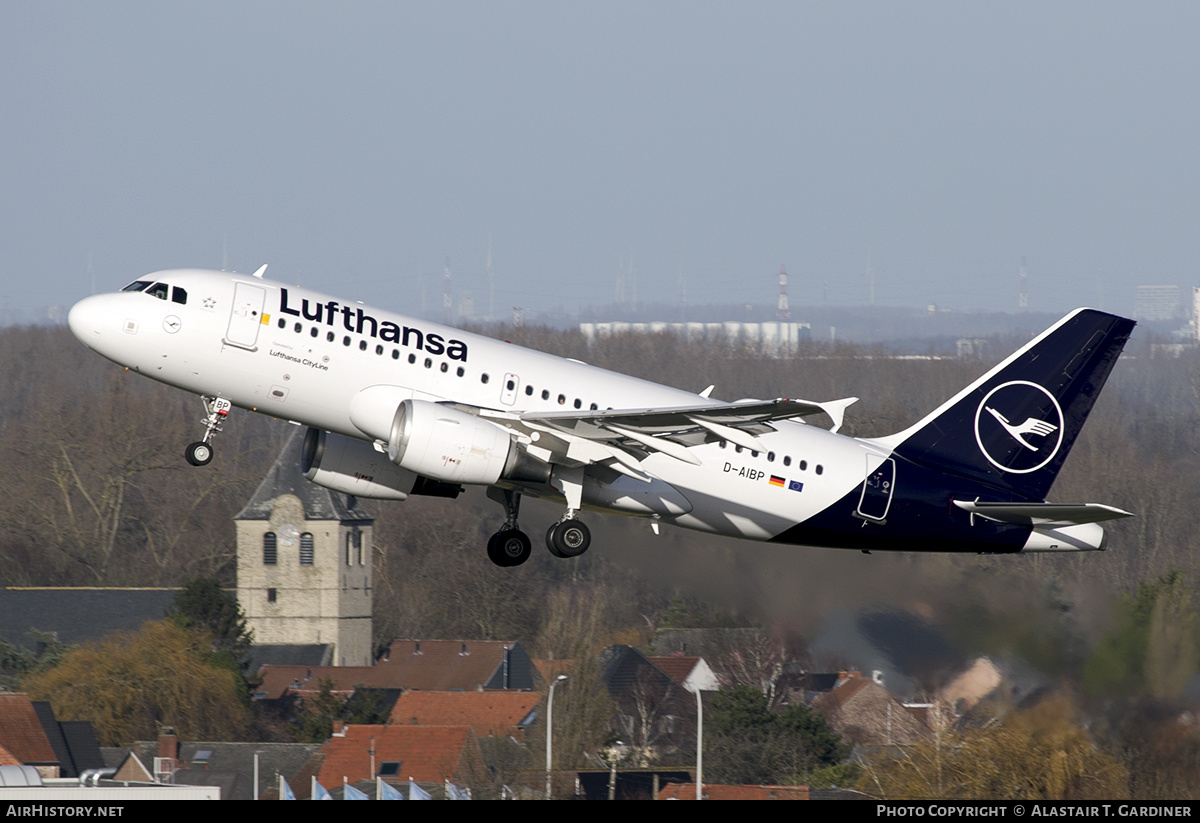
1019 427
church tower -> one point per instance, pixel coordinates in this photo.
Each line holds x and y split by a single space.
304 563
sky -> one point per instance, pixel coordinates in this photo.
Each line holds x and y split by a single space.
355 147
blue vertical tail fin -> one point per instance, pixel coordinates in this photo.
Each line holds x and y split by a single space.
1013 427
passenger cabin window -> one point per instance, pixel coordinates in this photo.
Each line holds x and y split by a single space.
159 290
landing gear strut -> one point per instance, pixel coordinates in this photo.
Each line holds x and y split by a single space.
217 409
510 546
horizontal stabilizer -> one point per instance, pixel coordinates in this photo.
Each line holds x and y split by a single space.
1043 515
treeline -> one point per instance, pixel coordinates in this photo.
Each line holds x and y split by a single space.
96 491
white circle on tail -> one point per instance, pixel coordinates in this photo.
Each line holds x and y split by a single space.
1019 427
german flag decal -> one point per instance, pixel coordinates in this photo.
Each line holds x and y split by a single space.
777 481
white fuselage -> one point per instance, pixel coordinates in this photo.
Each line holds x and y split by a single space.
305 357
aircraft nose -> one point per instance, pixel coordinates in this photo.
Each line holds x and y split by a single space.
86 319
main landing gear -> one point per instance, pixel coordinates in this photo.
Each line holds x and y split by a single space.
511 547
200 453
568 537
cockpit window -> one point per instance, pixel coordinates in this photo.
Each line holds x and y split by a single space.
159 290
137 285
178 295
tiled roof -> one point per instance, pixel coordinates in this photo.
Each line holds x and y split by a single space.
428 665
447 665
676 667
427 754
490 713
276 680
21 733
76 616
716 791
6 758
550 669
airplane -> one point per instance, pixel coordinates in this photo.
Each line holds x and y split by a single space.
397 406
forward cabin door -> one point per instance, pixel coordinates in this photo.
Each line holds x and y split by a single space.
246 316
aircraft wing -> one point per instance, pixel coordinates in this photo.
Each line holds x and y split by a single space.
1044 515
742 415
610 435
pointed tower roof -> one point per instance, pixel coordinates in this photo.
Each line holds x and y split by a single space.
285 477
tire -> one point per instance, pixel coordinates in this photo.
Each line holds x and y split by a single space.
509 547
199 453
568 538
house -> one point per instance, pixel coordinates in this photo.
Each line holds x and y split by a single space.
864 712
428 665
32 736
397 753
488 713
654 713
689 671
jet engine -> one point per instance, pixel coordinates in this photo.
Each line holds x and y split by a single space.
441 442
354 467
449 445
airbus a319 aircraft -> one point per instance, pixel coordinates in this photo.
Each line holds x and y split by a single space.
396 406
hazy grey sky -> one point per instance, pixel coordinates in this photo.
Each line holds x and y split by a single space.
356 146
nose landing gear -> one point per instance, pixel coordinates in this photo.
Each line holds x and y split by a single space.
200 453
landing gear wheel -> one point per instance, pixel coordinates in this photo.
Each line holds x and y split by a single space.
199 453
509 547
568 538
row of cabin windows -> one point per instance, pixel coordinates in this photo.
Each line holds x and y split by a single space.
271 549
363 345
787 458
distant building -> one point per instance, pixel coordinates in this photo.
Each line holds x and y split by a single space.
1156 303
304 564
772 338
1196 312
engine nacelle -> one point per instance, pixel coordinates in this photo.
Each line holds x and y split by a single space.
353 467
449 445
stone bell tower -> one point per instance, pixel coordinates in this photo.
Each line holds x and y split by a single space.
304 563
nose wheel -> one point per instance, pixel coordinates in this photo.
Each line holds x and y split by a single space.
216 409
199 453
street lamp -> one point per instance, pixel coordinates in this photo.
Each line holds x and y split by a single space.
699 742
550 729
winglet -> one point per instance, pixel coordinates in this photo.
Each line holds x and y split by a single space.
261 271
708 391
836 409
